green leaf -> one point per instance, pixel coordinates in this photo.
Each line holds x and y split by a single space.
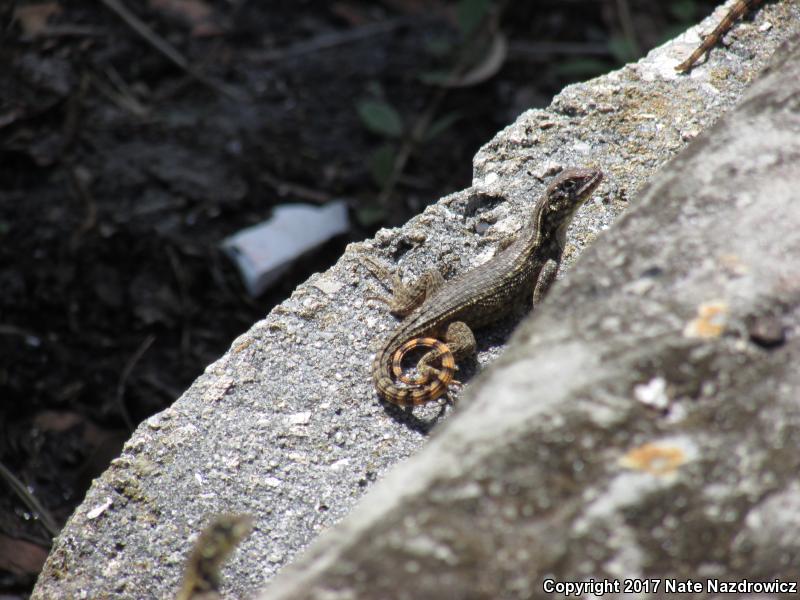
683 10
670 32
470 14
368 216
439 126
622 49
438 47
381 164
581 67
435 77
374 88
380 117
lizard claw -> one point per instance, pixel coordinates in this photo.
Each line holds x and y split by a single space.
383 299
376 269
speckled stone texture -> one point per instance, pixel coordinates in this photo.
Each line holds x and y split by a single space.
643 426
645 421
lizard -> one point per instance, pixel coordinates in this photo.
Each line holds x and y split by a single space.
523 268
712 39
201 577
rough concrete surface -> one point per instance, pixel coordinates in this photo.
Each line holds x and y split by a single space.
286 426
644 425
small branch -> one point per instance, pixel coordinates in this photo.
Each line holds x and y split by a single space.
299 191
628 28
409 145
21 490
422 123
183 291
79 179
165 48
123 379
155 40
330 40
543 50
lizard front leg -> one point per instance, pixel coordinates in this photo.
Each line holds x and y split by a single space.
405 297
546 277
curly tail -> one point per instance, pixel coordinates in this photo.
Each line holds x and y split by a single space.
420 389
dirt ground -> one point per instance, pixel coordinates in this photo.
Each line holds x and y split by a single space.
135 137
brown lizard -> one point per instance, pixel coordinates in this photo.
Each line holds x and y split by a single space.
525 267
201 577
713 38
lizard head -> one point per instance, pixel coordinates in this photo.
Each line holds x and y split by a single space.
569 190
565 195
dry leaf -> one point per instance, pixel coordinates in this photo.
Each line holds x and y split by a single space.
33 17
486 68
195 13
21 557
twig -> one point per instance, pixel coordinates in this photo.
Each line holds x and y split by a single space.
14 330
72 118
123 92
628 28
163 46
52 31
299 191
148 34
329 40
423 121
170 393
79 184
409 145
183 290
123 379
30 501
546 49
126 103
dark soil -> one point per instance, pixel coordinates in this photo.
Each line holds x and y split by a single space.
121 172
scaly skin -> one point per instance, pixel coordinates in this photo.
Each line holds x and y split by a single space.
448 311
201 575
713 38
440 352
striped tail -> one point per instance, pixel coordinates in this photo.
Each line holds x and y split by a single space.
420 389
